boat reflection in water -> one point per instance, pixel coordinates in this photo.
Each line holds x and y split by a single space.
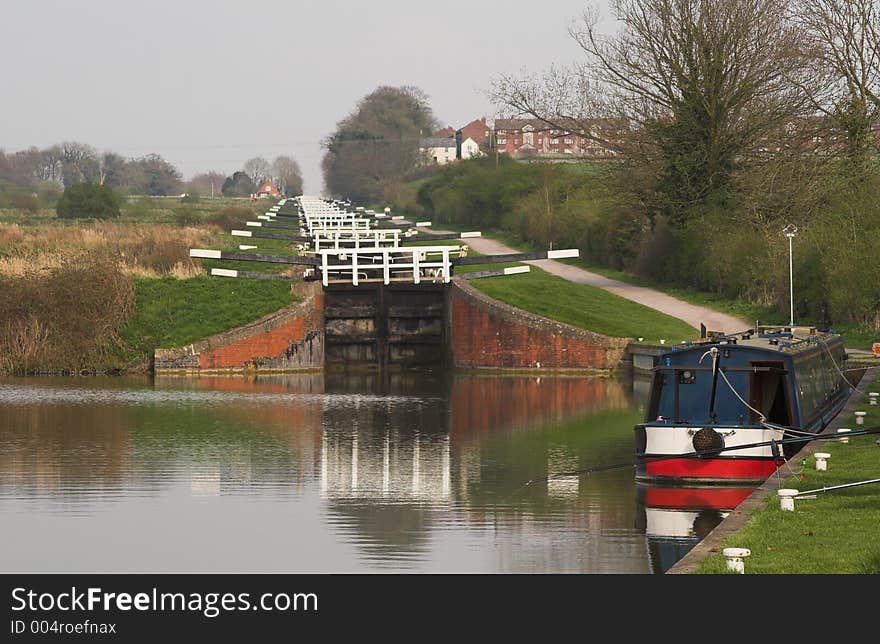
675 519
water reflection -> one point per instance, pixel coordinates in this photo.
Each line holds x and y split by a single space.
677 519
340 472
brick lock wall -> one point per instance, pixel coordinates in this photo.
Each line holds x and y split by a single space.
486 333
268 344
289 339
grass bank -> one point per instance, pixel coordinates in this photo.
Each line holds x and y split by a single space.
855 336
581 305
170 312
836 533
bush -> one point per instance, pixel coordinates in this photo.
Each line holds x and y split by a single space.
69 317
18 198
49 193
83 200
231 216
186 216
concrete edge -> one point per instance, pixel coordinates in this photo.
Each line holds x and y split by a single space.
737 519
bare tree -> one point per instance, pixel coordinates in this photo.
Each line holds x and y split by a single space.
288 175
206 183
257 169
79 162
702 83
842 39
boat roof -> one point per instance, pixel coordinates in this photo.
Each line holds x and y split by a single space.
778 339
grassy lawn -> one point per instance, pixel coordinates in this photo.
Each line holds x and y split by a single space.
836 533
581 305
856 337
263 246
170 312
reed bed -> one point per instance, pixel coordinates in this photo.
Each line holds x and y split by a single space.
143 250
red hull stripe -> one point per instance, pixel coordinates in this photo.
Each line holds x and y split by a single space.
712 468
681 498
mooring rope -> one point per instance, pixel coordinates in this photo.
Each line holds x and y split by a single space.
707 452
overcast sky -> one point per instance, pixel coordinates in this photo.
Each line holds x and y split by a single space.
210 83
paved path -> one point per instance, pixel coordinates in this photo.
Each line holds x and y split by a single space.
690 313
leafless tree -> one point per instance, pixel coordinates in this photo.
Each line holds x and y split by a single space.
702 84
206 183
288 175
842 40
79 162
257 169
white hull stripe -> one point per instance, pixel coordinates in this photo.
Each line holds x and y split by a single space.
663 441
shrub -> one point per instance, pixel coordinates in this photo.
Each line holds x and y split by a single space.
186 216
231 216
69 317
82 200
19 198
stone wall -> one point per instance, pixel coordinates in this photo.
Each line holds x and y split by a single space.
291 339
486 333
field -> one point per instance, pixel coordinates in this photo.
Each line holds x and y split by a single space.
102 295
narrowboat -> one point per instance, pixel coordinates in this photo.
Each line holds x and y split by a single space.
712 396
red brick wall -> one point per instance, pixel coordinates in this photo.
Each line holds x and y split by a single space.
269 344
475 130
287 340
486 333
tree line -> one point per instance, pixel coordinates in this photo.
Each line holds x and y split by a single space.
36 177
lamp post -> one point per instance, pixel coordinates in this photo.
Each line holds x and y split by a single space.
790 231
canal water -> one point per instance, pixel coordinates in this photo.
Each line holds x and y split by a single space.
327 473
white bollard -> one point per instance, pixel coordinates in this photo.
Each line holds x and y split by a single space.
872 397
860 417
786 499
822 460
735 558
844 431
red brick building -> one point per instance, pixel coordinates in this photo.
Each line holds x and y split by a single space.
533 137
268 189
479 132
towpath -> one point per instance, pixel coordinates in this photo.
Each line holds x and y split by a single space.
690 313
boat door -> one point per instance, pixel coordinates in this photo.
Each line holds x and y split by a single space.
769 393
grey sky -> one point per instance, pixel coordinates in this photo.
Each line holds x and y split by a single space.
208 84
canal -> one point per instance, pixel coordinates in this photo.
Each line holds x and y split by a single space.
414 472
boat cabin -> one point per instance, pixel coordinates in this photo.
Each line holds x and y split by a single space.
790 375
